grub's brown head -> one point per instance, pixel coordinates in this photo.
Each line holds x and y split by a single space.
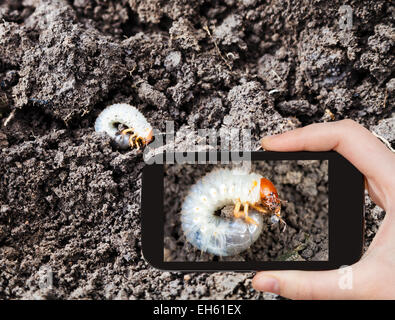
269 196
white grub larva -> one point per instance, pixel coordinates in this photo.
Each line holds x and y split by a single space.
221 187
139 131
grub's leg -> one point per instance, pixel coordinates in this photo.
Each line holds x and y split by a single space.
246 217
260 209
137 143
127 131
236 211
131 140
282 221
139 140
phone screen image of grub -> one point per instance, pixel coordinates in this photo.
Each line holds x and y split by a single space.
274 210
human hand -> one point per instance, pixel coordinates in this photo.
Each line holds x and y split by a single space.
373 275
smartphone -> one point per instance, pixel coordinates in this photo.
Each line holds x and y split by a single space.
272 210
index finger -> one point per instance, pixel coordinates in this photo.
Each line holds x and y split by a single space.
351 140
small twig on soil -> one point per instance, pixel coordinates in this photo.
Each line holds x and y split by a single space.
9 118
131 71
274 91
216 47
85 112
385 98
275 73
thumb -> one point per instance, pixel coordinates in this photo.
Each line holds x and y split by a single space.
307 285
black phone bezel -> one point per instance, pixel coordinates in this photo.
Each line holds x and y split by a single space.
346 216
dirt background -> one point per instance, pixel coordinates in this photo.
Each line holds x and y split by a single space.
69 201
302 184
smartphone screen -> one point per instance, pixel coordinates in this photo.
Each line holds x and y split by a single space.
302 235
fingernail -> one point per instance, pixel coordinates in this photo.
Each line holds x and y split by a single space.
267 284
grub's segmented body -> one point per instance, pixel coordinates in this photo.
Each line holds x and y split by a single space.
213 234
127 115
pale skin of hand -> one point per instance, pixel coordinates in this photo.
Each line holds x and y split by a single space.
374 274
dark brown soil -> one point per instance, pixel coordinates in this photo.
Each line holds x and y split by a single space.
70 202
